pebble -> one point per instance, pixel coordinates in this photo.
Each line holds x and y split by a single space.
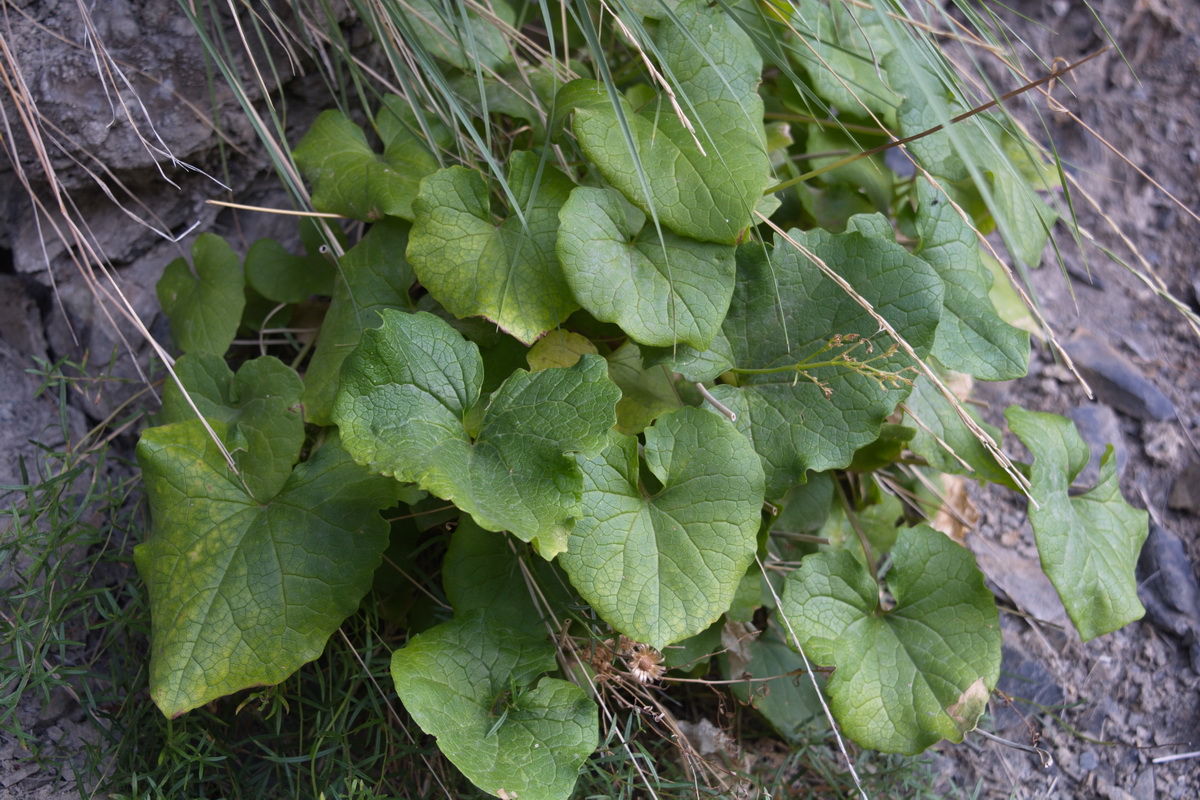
1162 442
1115 381
1169 589
1088 761
1185 493
1168 586
1143 787
1023 677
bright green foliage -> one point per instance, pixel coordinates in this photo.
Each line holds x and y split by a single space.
259 407
971 337
660 564
471 683
350 178
242 590
287 278
206 307
646 392
702 182
475 265
661 291
936 419
910 676
682 370
456 34
372 276
785 311
403 408
840 47
949 154
1089 543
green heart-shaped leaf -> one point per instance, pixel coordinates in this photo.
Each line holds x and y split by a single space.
704 178
242 590
204 308
405 409
259 406
285 277
470 683
841 48
1088 544
660 565
912 675
661 290
785 311
460 35
475 265
349 178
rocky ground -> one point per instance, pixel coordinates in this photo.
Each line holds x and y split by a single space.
1126 699
1134 695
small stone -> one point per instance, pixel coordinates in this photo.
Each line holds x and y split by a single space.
1185 493
1088 761
1143 787
1167 585
1115 381
1024 679
1110 792
1099 427
1162 442
1011 537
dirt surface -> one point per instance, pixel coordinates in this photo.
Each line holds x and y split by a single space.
1132 696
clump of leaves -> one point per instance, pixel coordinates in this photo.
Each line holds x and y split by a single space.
619 371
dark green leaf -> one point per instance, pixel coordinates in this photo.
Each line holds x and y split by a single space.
204 308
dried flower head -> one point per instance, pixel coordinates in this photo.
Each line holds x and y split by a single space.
645 663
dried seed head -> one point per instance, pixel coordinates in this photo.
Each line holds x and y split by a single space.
645 663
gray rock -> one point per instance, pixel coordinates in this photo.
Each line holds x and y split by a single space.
1163 442
20 320
1168 587
1099 427
1089 761
1115 381
1143 787
1023 679
1185 492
